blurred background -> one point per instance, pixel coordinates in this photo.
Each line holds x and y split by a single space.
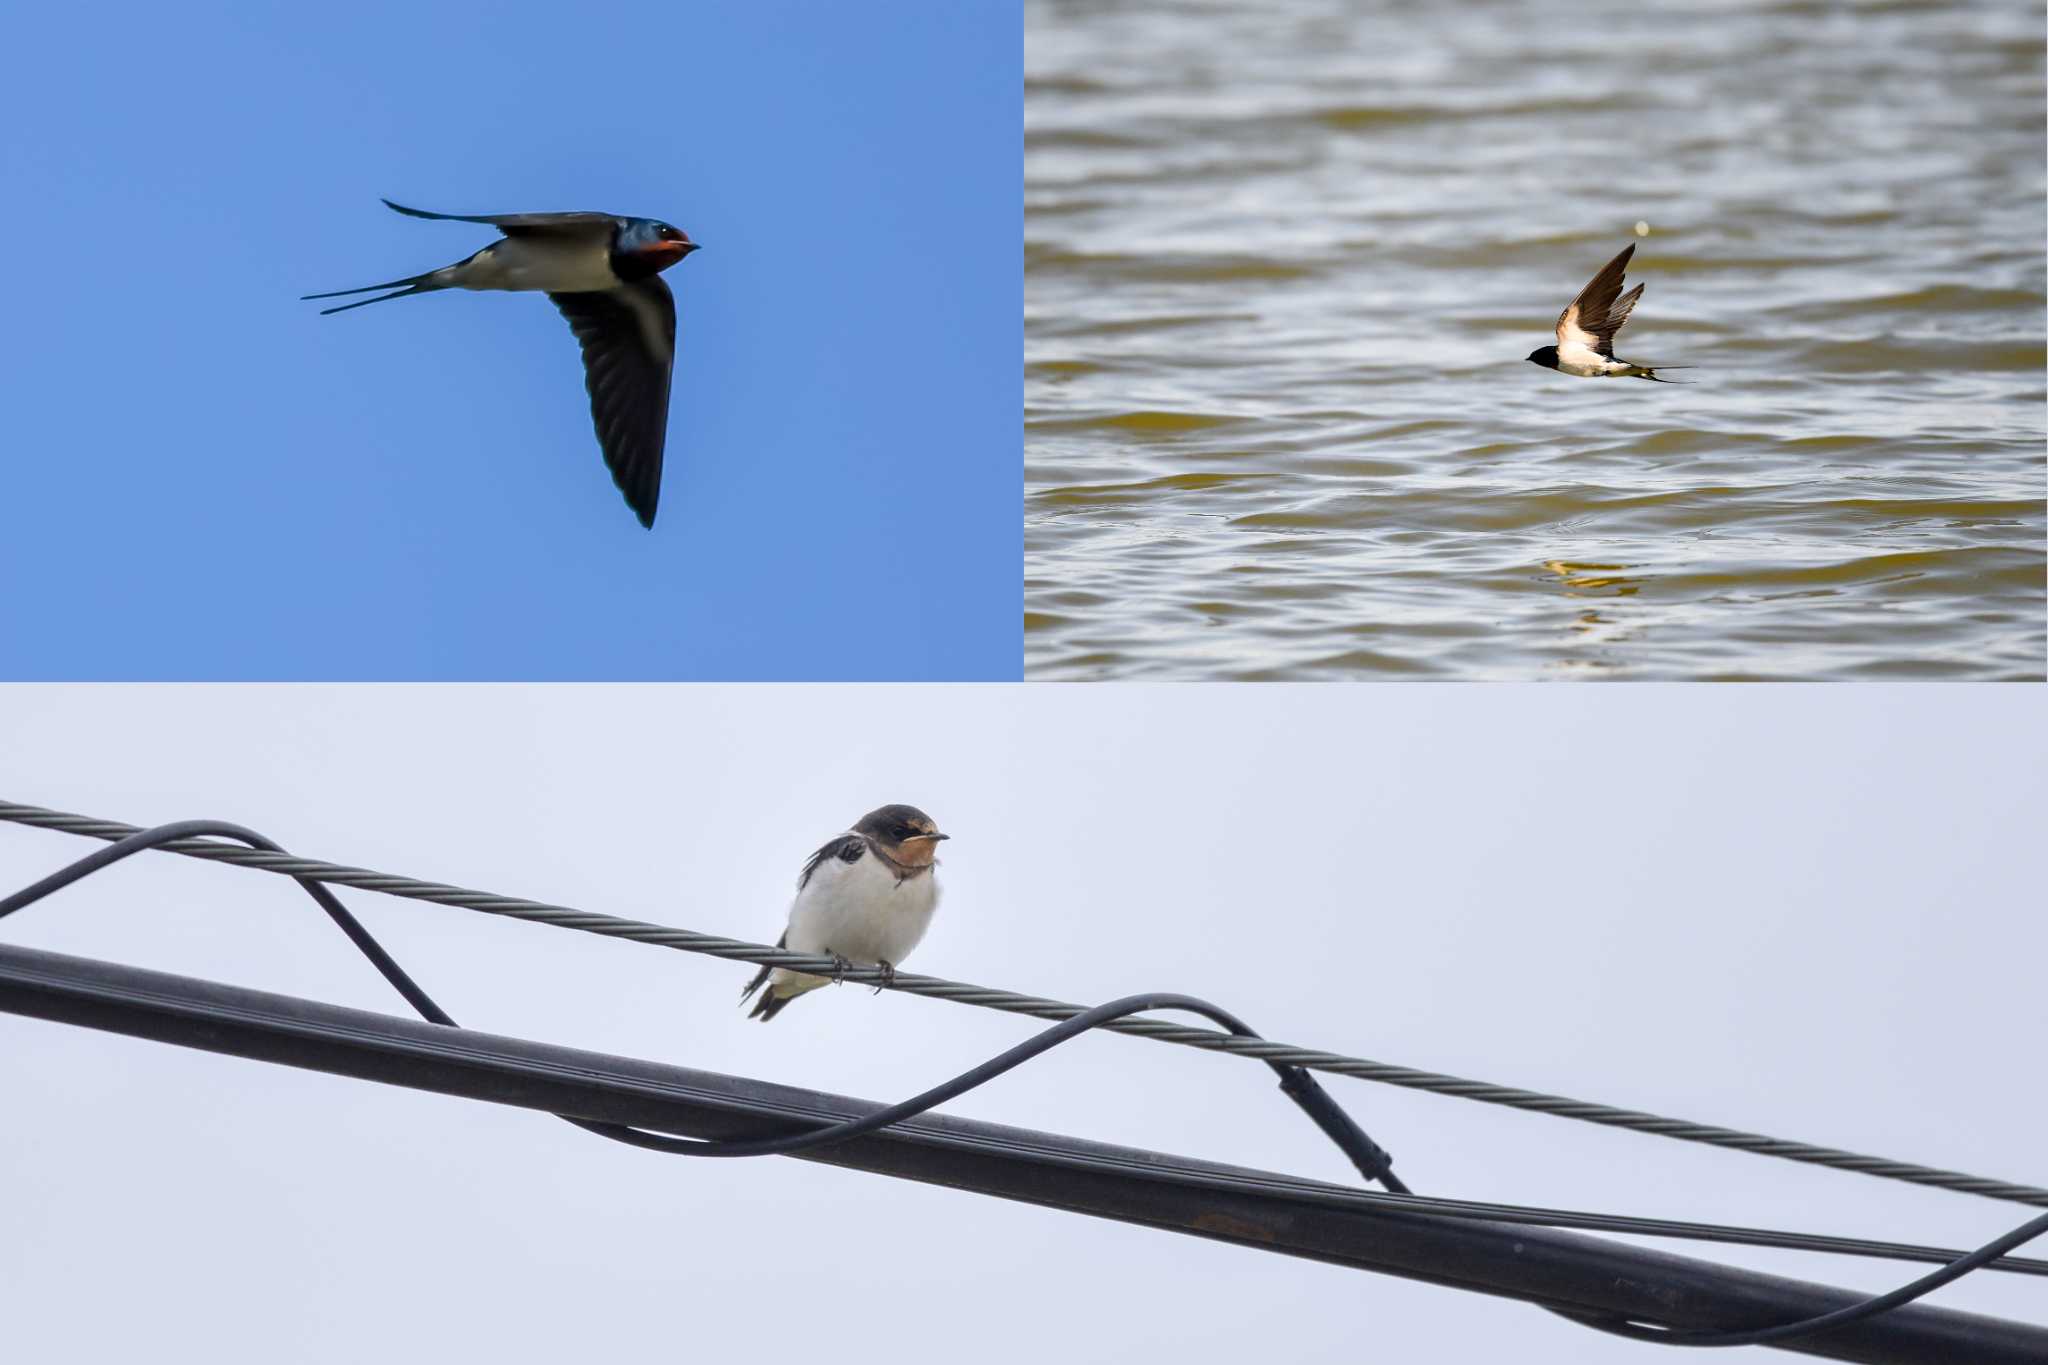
1284 261
204 479
1802 912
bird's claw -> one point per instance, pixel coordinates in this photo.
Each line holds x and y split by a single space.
841 965
888 971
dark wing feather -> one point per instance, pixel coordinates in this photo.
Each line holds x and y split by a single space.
847 848
1596 315
628 337
524 224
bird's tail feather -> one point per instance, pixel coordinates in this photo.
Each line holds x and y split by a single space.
1650 373
765 1008
760 980
417 284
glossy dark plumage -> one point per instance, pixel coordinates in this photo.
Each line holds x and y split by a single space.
1592 319
847 848
522 224
628 336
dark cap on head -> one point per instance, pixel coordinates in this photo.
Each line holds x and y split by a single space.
894 824
643 248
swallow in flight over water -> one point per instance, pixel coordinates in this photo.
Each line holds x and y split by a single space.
604 272
1585 330
866 898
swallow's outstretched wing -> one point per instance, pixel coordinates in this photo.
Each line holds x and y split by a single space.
628 337
524 224
1586 328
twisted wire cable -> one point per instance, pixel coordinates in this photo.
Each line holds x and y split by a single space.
1040 1007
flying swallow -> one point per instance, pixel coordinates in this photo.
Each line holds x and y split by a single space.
866 897
1585 330
604 272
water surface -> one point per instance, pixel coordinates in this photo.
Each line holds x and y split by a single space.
1283 262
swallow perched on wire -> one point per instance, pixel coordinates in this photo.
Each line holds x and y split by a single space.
866 897
1586 328
603 271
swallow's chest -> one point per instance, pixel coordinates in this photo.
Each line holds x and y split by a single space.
555 264
1589 364
865 912
872 888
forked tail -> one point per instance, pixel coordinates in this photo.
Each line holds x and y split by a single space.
769 1005
418 284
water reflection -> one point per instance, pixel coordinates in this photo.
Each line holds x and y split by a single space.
1591 627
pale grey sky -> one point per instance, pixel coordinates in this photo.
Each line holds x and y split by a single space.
1803 911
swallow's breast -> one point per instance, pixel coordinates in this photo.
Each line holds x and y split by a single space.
862 911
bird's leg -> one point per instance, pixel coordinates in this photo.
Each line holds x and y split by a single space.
841 965
888 970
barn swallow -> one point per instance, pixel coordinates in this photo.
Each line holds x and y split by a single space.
604 272
866 897
1585 330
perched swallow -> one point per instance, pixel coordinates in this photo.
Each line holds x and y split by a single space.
604 272
1585 330
865 898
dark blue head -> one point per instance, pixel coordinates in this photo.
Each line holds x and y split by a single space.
898 824
1545 356
646 247
905 833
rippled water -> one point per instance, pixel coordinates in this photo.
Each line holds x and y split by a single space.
1283 261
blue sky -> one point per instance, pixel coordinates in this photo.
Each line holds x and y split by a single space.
200 478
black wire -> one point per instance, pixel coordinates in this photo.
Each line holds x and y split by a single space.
1299 1085
186 829
806 1139
1841 1317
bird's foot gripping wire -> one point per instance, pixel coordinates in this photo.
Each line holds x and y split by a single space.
841 965
888 971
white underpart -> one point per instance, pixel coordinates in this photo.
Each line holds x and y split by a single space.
1586 362
1578 350
859 911
558 265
